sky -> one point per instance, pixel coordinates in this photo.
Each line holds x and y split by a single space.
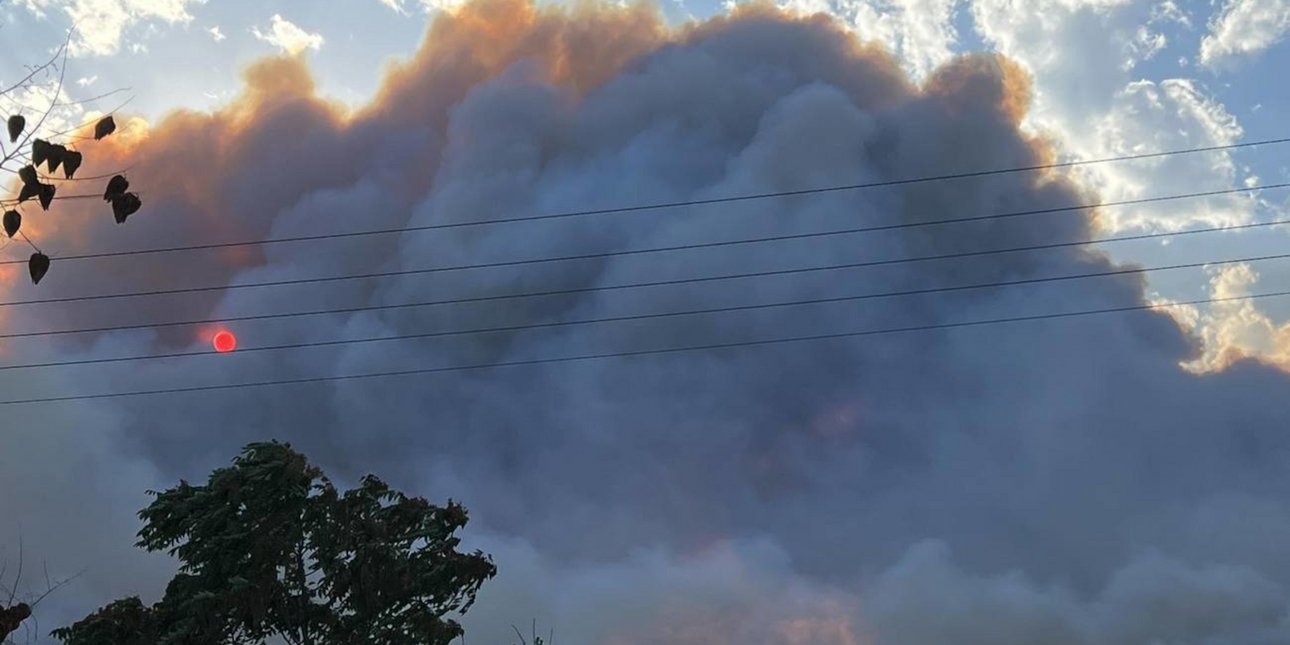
1110 480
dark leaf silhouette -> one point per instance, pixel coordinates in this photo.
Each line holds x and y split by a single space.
71 162
16 125
116 186
104 127
12 220
46 195
46 161
56 155
38 265
40 151
28 191
28 175
124 206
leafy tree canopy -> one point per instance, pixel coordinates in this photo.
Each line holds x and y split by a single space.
268 547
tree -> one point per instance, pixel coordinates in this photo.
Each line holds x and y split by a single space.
25 147
270 548
16 609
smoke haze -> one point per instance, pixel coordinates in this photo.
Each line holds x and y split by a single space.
1061 482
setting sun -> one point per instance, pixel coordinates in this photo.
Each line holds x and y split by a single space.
224 341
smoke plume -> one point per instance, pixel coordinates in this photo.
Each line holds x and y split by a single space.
1061 482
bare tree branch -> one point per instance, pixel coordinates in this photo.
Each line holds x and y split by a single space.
56 586
62 74
28 241
12 616
14 202
69 132
39 68
92 99
17 578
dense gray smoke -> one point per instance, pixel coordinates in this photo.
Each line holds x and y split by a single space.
1059 482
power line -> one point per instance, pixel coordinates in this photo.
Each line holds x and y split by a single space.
633 285
630 252
675 204
650 316
643 352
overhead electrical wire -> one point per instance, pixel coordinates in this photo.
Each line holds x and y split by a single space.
635 353
676 204
656 315
630 252
666 350
471 299
630 285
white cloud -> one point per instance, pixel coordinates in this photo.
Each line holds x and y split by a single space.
1144 46
216 33
1244 27
101 24
1082 54
428 6
396 5
288 36
1173 114
1234 328
1091 103
1076 48
920 32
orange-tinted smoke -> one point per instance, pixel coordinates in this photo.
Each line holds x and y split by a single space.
225 174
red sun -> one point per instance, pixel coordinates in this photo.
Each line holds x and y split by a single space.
224 341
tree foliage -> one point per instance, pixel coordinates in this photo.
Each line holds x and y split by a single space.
269 547
26 147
